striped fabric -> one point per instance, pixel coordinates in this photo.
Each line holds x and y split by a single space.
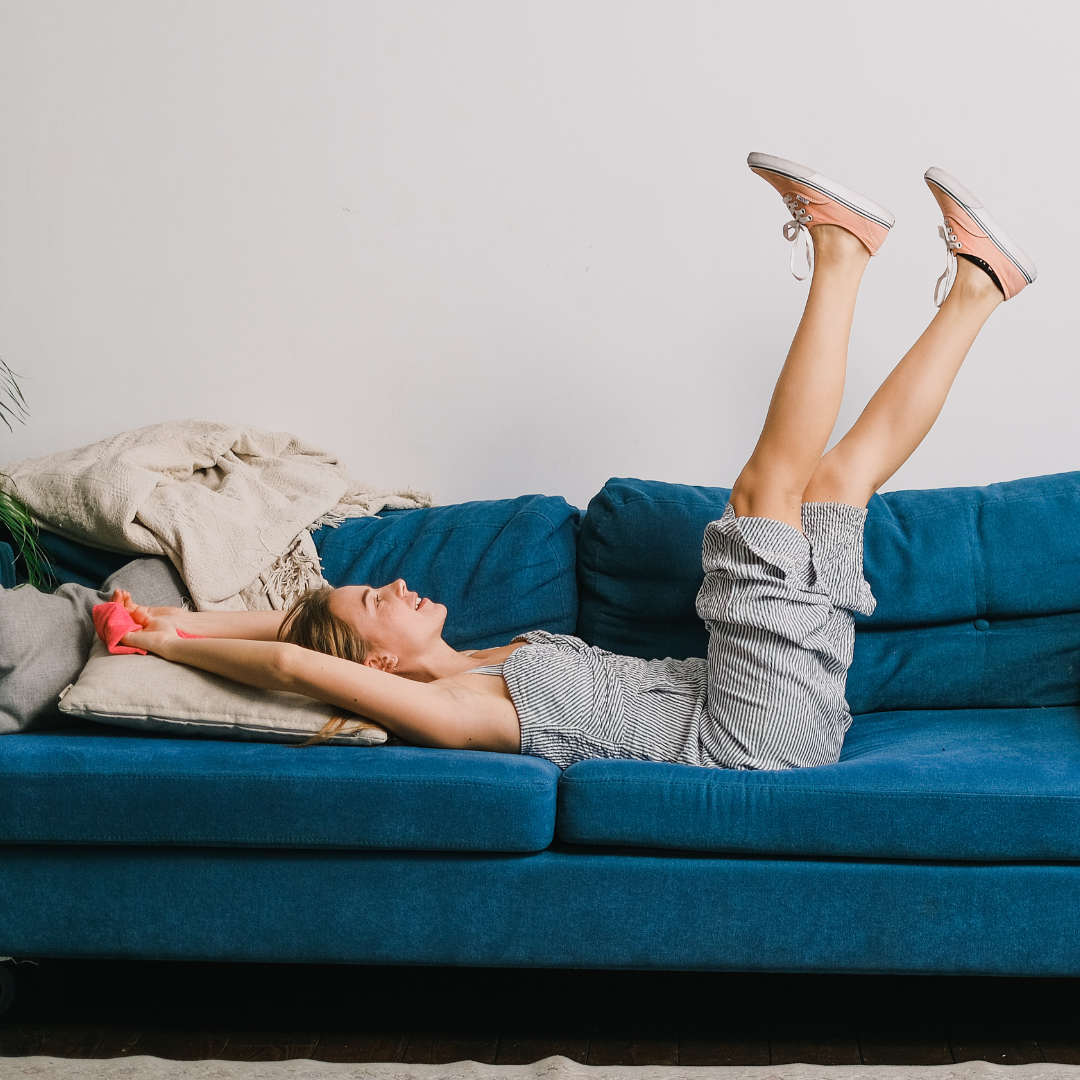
575 701
778 604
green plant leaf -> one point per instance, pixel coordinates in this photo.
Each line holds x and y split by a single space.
12 402
14 515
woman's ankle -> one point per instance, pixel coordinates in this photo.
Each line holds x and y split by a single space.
833 243
973 284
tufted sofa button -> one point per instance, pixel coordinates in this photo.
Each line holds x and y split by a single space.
981 624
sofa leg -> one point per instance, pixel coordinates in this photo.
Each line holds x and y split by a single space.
7 989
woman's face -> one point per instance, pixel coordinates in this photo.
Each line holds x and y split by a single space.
392 620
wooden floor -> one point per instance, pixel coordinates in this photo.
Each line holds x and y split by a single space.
255 1012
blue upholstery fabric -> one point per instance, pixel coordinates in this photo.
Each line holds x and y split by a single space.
70 562
583 909
963 578
7 567
80 564
106 786
981 663
999 552
639 567
501 567
999 784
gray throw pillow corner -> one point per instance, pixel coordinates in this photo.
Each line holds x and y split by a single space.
45 639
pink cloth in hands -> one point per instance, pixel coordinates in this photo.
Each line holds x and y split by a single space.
113 621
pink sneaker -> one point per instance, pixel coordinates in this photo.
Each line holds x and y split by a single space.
814 198
969 230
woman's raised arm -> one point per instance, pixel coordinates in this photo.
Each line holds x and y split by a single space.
427 714
241 625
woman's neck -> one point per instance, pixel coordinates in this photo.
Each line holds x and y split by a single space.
446 662
442 662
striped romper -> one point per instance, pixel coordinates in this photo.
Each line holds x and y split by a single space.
779 606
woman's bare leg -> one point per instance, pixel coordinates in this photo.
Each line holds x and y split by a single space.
808 393
905 407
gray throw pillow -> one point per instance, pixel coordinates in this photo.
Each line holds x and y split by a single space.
152 581
45 638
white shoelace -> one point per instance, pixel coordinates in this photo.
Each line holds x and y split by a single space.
952 246
796 230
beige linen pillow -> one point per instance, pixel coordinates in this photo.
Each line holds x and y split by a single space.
152 694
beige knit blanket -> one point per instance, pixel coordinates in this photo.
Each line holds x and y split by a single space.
231 506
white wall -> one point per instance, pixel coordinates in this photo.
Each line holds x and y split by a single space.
490 248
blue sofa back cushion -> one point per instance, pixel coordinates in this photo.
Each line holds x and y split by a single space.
964 578
7 566
639 567
70 562
501 567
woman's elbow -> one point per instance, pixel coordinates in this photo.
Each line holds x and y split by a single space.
285 667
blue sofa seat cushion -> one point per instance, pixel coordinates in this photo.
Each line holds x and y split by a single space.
1000 784
501 567
105 786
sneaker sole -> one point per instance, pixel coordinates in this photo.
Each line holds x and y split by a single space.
977 212
860 204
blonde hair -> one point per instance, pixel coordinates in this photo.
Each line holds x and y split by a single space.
312 625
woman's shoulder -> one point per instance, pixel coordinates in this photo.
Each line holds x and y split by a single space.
495 655
501 653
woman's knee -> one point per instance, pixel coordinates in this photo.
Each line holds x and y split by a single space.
837 481
751 497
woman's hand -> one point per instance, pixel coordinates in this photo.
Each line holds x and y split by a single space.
144 615
155 636
139 613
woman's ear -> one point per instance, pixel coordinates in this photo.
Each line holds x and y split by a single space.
382 661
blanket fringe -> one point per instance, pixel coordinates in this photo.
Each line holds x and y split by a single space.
294 572
297 570
367 502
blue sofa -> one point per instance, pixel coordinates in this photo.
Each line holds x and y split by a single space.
946 839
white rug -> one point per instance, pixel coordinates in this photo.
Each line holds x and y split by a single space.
553 1068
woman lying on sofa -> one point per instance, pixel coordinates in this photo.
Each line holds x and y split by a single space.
783 566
